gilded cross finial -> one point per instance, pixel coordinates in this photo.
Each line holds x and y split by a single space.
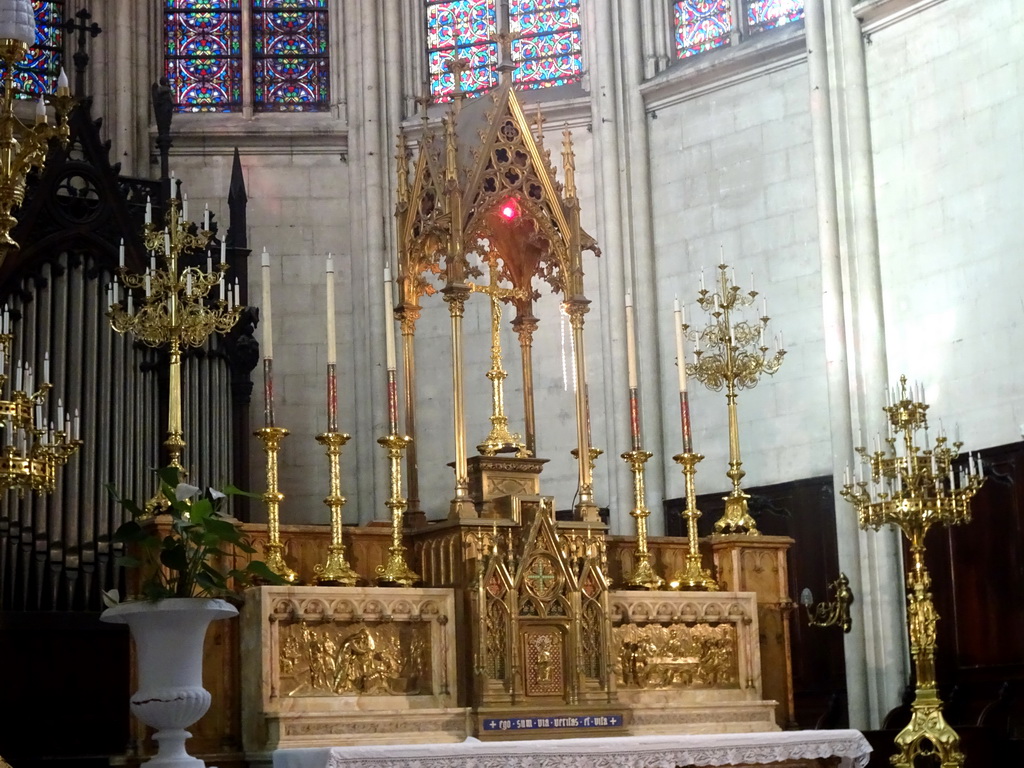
457 66
505 59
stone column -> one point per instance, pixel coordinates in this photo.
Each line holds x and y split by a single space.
876 680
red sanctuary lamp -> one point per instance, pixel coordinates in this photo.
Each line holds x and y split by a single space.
509 210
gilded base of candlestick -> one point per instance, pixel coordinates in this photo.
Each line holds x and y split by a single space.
336 572
643 576
273 556
395 572
927 735
736 518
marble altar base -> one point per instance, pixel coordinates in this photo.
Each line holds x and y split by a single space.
348 665
689 662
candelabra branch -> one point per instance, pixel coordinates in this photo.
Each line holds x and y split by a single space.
916 487
336 571
396 571
693 576
643 575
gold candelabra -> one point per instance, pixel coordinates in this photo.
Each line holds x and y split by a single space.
915 489
830 613
500 439
171 305
23 148
396 571
336 570
273 550
693 576
735 359
33 449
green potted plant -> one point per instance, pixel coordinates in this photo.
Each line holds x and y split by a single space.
182 587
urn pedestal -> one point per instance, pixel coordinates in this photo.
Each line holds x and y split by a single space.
168 637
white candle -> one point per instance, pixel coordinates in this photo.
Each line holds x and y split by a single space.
184 206
167 243
149 286
268 334
46 366
680 360
209 263
62 83
120 254
206 217
77 423
332 341
7 320
188 283
131 302
630 344
223 252
149 210
702 278
60 412
389 319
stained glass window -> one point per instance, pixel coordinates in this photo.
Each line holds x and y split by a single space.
37 73
549 47
203 54
702 25
766 14
290 67
461 29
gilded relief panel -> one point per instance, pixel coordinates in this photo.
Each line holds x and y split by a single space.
656 656
353 658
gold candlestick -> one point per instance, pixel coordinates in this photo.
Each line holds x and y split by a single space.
916 490
336 571
693 576
273 551
642 575
736 359
396 572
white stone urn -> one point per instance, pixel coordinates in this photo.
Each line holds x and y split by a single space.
169 638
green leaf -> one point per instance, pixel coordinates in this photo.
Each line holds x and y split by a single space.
174 558
126 561
131 531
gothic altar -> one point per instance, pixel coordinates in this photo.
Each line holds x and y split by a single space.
501 622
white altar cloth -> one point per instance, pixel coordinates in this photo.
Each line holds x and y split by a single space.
619 752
